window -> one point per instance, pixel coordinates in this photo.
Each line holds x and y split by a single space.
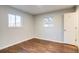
48 22
14 20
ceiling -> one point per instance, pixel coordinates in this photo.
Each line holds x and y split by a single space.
38 9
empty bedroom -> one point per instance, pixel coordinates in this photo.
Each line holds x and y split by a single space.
39 28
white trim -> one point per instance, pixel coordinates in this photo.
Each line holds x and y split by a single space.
53 40
14 43
50 40
29 39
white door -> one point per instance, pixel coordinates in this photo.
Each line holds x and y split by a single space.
70 28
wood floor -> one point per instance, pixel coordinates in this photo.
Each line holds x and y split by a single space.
40 46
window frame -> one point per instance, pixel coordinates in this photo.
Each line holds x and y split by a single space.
15 19
48 21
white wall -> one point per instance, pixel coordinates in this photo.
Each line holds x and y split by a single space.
11 36
54 33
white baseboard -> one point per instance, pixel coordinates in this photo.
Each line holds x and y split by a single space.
54 40
50 40
28 39
14 43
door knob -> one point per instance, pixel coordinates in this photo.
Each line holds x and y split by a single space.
64 29
75 40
